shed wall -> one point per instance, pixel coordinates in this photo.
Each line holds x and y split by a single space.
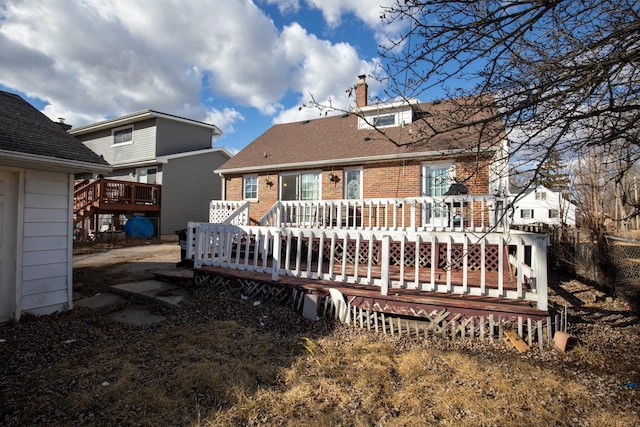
46 274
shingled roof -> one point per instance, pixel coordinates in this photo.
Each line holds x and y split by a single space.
27 135
337 140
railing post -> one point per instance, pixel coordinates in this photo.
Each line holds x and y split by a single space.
539 267
386 244
276 256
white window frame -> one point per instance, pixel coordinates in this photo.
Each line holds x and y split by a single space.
435 213
554 213
526 214
541 195
244 187
384 117
426 166
345 174
120 129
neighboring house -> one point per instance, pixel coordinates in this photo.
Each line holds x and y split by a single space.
169 163
345 157
402 218
539 205
38 160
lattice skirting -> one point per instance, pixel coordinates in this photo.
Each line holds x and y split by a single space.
254 289
456 326
441 323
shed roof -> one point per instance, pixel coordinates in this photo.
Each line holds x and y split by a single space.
337 140
28 135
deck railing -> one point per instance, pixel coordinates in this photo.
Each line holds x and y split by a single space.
106 193
511 266
465 213
226 212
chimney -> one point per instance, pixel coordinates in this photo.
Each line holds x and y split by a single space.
62 124
361 91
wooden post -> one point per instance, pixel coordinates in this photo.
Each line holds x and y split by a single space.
539 261
275 267
386 240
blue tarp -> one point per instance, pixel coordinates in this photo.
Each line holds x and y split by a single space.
138 226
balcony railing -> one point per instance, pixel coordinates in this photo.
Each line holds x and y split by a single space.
464 213
114 194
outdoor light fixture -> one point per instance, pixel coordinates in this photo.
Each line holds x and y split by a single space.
268 182
334 178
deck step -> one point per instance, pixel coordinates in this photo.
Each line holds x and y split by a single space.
178 276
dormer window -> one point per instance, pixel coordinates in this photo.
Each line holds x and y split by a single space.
385 120
123 135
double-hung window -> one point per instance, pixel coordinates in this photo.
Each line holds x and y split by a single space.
250 187
123 135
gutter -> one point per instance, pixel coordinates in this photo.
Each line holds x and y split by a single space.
136 117
165 159
388 157
74 165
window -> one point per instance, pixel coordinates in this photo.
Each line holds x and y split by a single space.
300 186
553 213
352 184
386 120
123 135
250 187
541 196
438 178
526 213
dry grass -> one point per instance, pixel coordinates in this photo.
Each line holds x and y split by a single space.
203 368
363 382
221 361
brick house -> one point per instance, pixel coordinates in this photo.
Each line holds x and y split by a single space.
395 150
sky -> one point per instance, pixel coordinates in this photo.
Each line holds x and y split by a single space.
241 65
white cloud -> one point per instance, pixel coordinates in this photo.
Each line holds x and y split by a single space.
284 6
224 119
95 59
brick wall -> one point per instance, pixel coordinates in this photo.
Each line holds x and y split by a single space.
381 180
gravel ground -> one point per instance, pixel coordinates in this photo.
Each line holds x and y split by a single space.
39 355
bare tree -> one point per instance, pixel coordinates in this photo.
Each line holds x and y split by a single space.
564 73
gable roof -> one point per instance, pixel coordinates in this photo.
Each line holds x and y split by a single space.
138 117
28 138
337 140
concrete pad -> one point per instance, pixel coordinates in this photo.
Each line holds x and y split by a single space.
153 291
99 301
136 317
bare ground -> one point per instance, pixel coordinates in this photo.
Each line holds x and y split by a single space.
223 360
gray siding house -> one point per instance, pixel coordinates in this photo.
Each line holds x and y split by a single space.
38 161
174 153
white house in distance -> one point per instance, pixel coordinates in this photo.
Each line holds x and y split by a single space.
539 205
38 161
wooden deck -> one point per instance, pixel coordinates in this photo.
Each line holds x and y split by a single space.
399 301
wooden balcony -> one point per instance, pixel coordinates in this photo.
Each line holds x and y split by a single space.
108 196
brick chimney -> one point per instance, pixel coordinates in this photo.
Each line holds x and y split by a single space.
362 91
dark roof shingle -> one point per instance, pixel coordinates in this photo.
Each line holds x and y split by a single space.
337 138
24 129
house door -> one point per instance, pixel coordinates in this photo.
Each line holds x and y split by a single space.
8 228
436 179
300 186
147 176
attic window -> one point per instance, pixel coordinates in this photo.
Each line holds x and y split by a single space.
386 120
123 135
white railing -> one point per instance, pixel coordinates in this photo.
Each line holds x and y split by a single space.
446 262
225 212
466 213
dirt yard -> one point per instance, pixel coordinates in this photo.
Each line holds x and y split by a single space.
98 266
222 360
